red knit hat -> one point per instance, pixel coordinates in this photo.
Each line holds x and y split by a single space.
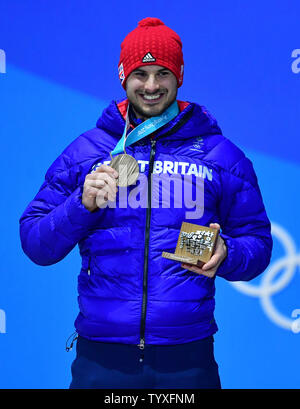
151 43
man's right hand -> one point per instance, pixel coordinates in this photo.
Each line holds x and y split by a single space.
99 187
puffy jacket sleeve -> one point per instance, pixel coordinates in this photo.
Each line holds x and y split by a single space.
55 220
245 226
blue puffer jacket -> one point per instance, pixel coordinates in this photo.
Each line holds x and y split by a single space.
128 292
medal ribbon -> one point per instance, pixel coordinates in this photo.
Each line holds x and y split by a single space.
146 128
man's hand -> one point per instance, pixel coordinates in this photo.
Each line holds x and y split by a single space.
209 269
99 187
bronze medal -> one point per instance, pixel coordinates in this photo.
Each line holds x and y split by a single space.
127 168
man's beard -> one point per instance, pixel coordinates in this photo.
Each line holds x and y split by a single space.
146 115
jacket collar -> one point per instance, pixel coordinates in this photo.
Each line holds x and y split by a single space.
192 120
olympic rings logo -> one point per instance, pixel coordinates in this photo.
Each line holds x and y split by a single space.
269 285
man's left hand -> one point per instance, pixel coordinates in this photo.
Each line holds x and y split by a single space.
210 268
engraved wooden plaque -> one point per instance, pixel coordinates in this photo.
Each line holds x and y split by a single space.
195 244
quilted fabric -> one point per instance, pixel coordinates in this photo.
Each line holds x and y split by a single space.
180 304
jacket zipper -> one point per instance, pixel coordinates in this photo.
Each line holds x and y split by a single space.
89 267
141 345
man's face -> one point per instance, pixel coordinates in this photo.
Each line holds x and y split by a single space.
151 90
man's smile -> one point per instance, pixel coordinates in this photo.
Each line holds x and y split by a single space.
151 99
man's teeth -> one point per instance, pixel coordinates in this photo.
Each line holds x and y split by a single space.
151 96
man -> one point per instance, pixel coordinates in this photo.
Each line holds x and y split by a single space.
146 321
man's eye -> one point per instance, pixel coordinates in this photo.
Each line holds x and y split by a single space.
164 73
139 74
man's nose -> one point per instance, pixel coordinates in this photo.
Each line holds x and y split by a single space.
151 85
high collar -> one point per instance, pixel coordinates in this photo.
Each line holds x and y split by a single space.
134 121
192 120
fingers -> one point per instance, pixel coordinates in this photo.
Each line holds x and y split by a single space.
191 267
218 256
96 182
104 172
213 262
107 169
105 182
99 187
107 193
198 270
91 192
215 226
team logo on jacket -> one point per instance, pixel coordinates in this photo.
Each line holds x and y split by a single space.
170 167
149 58
197 145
